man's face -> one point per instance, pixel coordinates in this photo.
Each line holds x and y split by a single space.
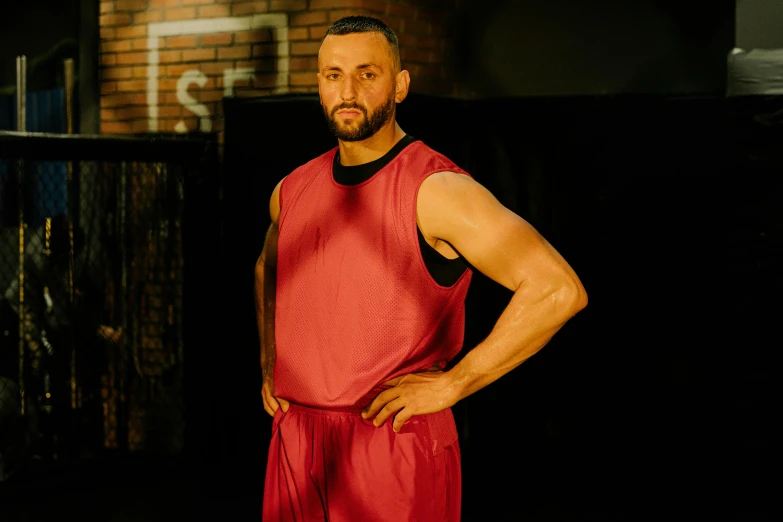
357 84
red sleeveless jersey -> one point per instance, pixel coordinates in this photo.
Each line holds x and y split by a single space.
355 303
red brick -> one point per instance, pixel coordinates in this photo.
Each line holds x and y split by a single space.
108 59
178 42
131 58
167 85
170 56
265 65
257 36
234 53
107 33
163 3
217 39
140 44
265 81
131 113
305 48
317 32
181 13
123 100
298 33
170 111
132 86
170 97
167 125
287 5
114 19
331 4
132 31
216 68
116 46
108 114
108 87
309 18
115 127
214 11
176 70
131 5
336 14
141 126
107 6
198 55
266 50
246 8
116 73
303 63
146 17
197 2
205 95
303 78
375 6
139 71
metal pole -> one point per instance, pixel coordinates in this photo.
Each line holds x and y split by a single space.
69 130
21 117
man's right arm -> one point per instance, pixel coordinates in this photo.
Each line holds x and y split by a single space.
265 285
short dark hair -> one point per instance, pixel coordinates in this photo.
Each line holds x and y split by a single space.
367 24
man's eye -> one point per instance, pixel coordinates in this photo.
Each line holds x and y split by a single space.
332 76
368 76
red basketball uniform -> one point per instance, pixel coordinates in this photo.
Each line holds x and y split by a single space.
355 307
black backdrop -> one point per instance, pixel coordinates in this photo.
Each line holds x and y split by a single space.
657 397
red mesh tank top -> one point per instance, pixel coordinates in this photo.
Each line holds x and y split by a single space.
355 303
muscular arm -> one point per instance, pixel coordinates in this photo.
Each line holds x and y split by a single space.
508 250
265 285
460 212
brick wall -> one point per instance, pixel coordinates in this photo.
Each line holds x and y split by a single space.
167 64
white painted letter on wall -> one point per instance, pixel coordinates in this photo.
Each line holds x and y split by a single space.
199 78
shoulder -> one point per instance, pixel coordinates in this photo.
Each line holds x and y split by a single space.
298 177
447 187
447 199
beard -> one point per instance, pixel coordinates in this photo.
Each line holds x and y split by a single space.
371 123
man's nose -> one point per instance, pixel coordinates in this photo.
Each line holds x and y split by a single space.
349 90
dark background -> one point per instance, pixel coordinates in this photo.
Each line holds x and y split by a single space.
605 125
656 398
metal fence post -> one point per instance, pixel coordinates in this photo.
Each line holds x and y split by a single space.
69 189
21 126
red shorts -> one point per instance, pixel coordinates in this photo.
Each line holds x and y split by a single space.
336 466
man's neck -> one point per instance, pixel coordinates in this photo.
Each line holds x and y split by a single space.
361 152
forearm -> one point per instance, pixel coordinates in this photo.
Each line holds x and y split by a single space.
527 324
265 312
265 289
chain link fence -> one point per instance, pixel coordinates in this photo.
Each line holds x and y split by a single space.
91 286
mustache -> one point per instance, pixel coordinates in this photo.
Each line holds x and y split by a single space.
345 106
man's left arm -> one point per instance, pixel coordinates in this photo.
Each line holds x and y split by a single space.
507 249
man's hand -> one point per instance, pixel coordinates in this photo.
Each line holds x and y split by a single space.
412 394
271 403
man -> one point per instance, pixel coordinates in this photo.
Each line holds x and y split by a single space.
360 294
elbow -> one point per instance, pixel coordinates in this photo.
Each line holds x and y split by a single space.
569 295
577 295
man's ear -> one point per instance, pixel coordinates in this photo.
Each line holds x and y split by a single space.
402 84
